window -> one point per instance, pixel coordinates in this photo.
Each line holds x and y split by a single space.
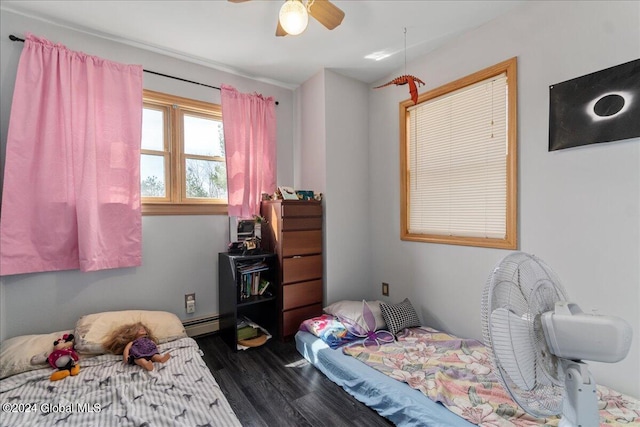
182 164
458 161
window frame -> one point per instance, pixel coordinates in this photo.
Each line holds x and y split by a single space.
176 202
510 240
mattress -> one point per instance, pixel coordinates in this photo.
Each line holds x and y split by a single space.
392 399
107 392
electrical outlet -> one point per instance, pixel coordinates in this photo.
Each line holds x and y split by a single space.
190 303
385 289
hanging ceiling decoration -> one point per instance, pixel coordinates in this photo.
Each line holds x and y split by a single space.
404 79
294 15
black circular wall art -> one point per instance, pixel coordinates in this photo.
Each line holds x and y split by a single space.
600 107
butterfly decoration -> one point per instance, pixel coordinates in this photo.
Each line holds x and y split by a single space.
369 333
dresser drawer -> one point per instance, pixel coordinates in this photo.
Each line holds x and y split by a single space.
291 319
301 242
302 223
301 268
300 294
301 209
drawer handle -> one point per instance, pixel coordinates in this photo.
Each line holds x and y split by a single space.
297 256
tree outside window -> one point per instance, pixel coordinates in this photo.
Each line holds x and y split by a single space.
182 169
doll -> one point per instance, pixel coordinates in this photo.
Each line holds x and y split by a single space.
63 358
137 345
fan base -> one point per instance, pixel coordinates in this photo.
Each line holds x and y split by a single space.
580 407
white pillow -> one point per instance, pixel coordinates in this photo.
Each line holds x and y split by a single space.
16 352
353 311
92 329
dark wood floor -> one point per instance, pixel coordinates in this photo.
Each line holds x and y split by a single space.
274 385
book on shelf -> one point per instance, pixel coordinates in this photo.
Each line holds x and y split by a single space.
252 267
246 326
250 277
247 285
247 332
255 282
264 284
252 284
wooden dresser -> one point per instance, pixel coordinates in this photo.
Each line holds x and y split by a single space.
294 232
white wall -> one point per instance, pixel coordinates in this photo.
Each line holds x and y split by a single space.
346 207
313 156
179 252
334 149
579 209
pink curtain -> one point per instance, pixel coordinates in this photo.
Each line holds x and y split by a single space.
249 123
71 196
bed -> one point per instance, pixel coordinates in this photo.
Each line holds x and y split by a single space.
107 392
425 377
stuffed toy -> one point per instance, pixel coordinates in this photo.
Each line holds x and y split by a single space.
370 334
63 358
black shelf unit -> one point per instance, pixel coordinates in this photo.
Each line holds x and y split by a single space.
261 309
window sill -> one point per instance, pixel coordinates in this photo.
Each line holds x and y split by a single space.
183 209
508 243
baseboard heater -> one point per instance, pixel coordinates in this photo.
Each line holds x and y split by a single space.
202 325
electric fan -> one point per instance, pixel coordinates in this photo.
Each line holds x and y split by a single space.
537 340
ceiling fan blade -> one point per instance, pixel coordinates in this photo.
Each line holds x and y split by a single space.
280 31
326 13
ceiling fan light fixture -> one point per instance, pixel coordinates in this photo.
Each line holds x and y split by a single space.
294 17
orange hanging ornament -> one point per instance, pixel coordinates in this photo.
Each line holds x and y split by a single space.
412 81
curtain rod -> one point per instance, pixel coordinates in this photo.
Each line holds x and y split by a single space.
18 39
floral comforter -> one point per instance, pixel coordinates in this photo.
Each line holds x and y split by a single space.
458 373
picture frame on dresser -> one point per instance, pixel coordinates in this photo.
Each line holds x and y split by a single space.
288 193
305 194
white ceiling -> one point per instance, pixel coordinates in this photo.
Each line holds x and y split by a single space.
241 37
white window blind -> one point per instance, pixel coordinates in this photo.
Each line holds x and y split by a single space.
457 162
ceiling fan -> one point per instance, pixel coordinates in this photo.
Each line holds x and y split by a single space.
294 15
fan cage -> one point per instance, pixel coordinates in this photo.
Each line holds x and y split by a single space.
526 287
